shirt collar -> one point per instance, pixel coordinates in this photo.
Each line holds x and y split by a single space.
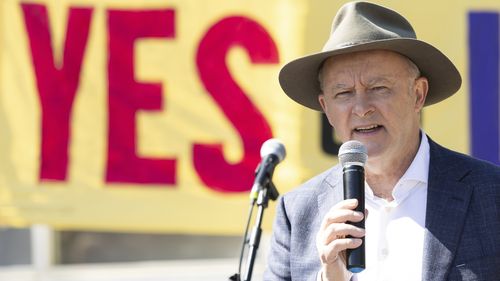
416 175
419 167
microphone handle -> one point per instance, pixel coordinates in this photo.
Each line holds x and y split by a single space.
354 188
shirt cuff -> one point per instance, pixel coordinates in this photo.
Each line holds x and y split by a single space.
319 276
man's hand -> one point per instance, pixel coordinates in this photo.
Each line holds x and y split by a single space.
331 242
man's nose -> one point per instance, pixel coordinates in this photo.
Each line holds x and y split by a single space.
362 105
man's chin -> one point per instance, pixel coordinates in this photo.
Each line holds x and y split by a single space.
374 152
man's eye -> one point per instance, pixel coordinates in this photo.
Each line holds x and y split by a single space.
379 88
341 94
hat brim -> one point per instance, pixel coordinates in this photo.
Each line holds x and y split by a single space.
299 78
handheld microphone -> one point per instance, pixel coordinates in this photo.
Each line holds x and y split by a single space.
272 153
352 156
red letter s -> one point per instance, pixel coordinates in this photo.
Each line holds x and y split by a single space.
251 125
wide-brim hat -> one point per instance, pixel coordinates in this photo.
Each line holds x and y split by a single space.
362 26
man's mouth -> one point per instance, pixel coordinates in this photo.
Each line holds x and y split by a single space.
367 129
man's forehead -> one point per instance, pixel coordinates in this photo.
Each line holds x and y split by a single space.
372 65
389 58
339 83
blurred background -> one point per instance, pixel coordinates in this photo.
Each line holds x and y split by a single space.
131 130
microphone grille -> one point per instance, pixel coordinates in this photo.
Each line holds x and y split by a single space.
273 146
352 152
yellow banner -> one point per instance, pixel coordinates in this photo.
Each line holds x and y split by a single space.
149 115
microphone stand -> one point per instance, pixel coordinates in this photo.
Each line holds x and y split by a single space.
268 192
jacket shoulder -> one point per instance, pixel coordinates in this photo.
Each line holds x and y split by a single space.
467 168
315 185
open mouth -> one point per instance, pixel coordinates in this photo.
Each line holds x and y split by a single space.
367 129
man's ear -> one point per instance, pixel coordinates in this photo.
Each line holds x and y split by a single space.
421 88
321 99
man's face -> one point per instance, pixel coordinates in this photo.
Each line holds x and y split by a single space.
375 98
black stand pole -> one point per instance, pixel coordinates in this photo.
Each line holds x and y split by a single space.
268 192
254 242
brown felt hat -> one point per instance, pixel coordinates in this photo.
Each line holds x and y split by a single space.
362 26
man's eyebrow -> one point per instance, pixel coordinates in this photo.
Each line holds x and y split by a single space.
340 86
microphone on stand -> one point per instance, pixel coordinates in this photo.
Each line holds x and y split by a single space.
352 156
263 189
272 153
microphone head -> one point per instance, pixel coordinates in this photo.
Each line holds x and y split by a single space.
352 153
273 146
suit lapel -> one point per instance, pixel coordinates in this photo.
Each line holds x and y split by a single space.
331 192
447 203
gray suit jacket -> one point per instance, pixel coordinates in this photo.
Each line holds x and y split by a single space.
462 240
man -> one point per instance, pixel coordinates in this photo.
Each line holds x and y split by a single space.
433 214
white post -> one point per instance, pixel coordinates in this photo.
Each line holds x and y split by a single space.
42 249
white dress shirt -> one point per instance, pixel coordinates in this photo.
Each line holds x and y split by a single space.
394 239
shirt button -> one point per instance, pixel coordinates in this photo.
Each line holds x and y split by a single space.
384 253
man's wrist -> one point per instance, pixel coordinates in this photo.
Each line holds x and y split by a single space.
335 272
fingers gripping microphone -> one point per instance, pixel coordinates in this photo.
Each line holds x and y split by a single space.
352 156
272 153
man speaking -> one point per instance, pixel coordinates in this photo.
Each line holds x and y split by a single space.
431 213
